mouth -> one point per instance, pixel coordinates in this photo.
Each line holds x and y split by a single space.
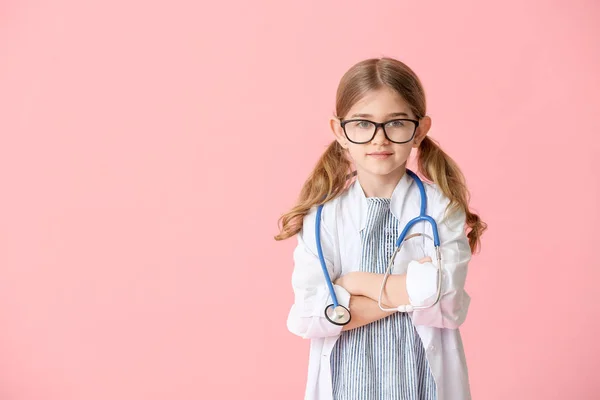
380 154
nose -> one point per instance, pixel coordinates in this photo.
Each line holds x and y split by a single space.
379 137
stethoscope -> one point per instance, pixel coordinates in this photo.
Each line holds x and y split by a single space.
340 315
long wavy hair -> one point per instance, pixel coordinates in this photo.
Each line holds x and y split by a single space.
330 177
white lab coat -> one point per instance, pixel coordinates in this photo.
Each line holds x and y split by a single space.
342 221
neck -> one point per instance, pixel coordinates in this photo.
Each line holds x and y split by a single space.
380 185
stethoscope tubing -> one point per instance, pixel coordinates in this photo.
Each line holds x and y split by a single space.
340 315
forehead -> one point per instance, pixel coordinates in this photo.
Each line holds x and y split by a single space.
380 103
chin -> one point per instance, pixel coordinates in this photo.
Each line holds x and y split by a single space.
381 170
381 167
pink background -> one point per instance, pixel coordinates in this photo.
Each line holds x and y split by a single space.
147 150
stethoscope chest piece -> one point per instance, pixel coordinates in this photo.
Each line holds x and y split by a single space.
339 315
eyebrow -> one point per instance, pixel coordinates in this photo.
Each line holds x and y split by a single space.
396 114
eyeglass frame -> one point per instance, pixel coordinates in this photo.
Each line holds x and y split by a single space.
343 123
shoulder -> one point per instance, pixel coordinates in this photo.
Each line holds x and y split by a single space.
435 196
448 218
438 202
328 216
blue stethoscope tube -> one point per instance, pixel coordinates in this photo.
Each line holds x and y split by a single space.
340 315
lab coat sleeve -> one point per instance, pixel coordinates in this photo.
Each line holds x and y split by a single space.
311 294
421 282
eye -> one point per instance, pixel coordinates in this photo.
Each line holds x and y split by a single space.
396 124
363 124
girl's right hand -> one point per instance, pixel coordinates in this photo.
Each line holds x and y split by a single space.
424 260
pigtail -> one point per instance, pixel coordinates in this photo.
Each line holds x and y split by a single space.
328 180
440 168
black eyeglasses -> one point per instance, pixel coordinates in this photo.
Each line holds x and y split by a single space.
361 131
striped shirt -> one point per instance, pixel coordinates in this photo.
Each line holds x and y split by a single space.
384 360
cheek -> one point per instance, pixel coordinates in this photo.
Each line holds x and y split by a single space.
355 153
403 151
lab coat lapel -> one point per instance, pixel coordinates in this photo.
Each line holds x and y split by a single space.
359 200
355 218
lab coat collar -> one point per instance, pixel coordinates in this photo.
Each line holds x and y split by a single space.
357 195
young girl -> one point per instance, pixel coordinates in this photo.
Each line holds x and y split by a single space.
380 117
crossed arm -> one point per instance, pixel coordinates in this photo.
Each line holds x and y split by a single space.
359 291
365 288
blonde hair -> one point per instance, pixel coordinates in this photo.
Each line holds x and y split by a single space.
329 179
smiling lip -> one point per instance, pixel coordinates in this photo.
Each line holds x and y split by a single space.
380 155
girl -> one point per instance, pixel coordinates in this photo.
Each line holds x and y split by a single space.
380 117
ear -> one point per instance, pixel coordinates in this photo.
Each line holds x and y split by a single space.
424 126
338 132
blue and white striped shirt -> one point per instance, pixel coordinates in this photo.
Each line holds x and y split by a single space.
384 360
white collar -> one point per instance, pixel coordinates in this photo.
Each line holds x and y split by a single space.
357 195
